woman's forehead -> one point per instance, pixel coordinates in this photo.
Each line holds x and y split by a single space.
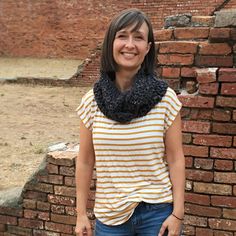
135 27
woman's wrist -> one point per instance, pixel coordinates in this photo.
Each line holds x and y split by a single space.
177 217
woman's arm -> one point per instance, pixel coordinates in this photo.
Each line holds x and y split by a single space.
176 163
84 171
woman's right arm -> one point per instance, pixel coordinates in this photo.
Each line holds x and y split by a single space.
84 171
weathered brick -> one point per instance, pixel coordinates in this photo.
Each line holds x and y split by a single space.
203 20
187 138
52 169
58 209
69 201
61 228
201 163
234 115
197 151
219 34
163 34
216 61
223 165
70 220
65 191
11 211
197 101
41 187
234 141
198 175
210 88
227 74
214 48
209 188
16 230
228 128
195 220
61 158
191 33
221 115
9 220
226 101
32 224
202 114
206 75
72 210
37 232
30 204
175 59
225 177
188 230
68 171
229 202
225 153
52 179
229 213
178 47
188 162
204 232
170 72
197 198
222 233
2 228
44 206
228 89
212 140
188 72
222 224
196 126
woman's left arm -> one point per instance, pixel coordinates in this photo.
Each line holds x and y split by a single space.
176 163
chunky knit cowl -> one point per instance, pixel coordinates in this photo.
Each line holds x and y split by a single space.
145 93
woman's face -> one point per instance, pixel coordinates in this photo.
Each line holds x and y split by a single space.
131 47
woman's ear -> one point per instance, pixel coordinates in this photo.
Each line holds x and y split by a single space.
148 47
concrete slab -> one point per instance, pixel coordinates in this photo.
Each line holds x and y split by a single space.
225 18
12 68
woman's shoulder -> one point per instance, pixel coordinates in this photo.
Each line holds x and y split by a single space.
88 97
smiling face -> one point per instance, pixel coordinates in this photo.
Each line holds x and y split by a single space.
130 47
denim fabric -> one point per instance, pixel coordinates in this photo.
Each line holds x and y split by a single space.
145 221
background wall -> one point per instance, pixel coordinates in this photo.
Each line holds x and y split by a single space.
71 29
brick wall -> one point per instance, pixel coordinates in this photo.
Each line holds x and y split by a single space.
71 29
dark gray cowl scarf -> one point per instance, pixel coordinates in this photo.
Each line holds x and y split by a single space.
145 93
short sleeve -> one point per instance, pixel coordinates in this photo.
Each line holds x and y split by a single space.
173 106
86 109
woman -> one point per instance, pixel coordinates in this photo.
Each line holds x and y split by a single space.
131 127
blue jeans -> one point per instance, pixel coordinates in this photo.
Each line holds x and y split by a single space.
146 220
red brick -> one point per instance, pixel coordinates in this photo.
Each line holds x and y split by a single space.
234 190
44 206
221 115
175 59
195 220
197 101
229 213
233 33
226 101
197 198
225 153
199 175
65 191
52 169
205 20
203 114
187 138
170 72
212 140
228 89
10 211
32 224
9 220
222 233
211 88
16 230
219 34
197 151
204 164
204 232
72 210
223 165
62 159
222 224
216 61
208 188
214 48
225 177
195 126
52 179
70 181
188 72
2 228
185 112
223 201
227 74
30 204
220 128
206 75
45 233
188 185
173 83
163 35
188 161
39 196
188 230
58 209
70 220
234 141
30 214
191 33
61 200
41 187
61 228
202 210
234 115
68 171
178 47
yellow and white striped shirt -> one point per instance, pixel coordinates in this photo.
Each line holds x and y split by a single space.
130 158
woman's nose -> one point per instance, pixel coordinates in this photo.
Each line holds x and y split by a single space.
130 42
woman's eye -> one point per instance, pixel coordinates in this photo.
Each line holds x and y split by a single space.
121 36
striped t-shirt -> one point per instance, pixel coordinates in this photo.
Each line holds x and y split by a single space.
130 158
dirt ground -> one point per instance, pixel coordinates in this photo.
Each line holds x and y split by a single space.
32 118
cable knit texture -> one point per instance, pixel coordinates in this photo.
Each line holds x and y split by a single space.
146 92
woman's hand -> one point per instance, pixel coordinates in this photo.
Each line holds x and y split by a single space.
173 225
83 226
